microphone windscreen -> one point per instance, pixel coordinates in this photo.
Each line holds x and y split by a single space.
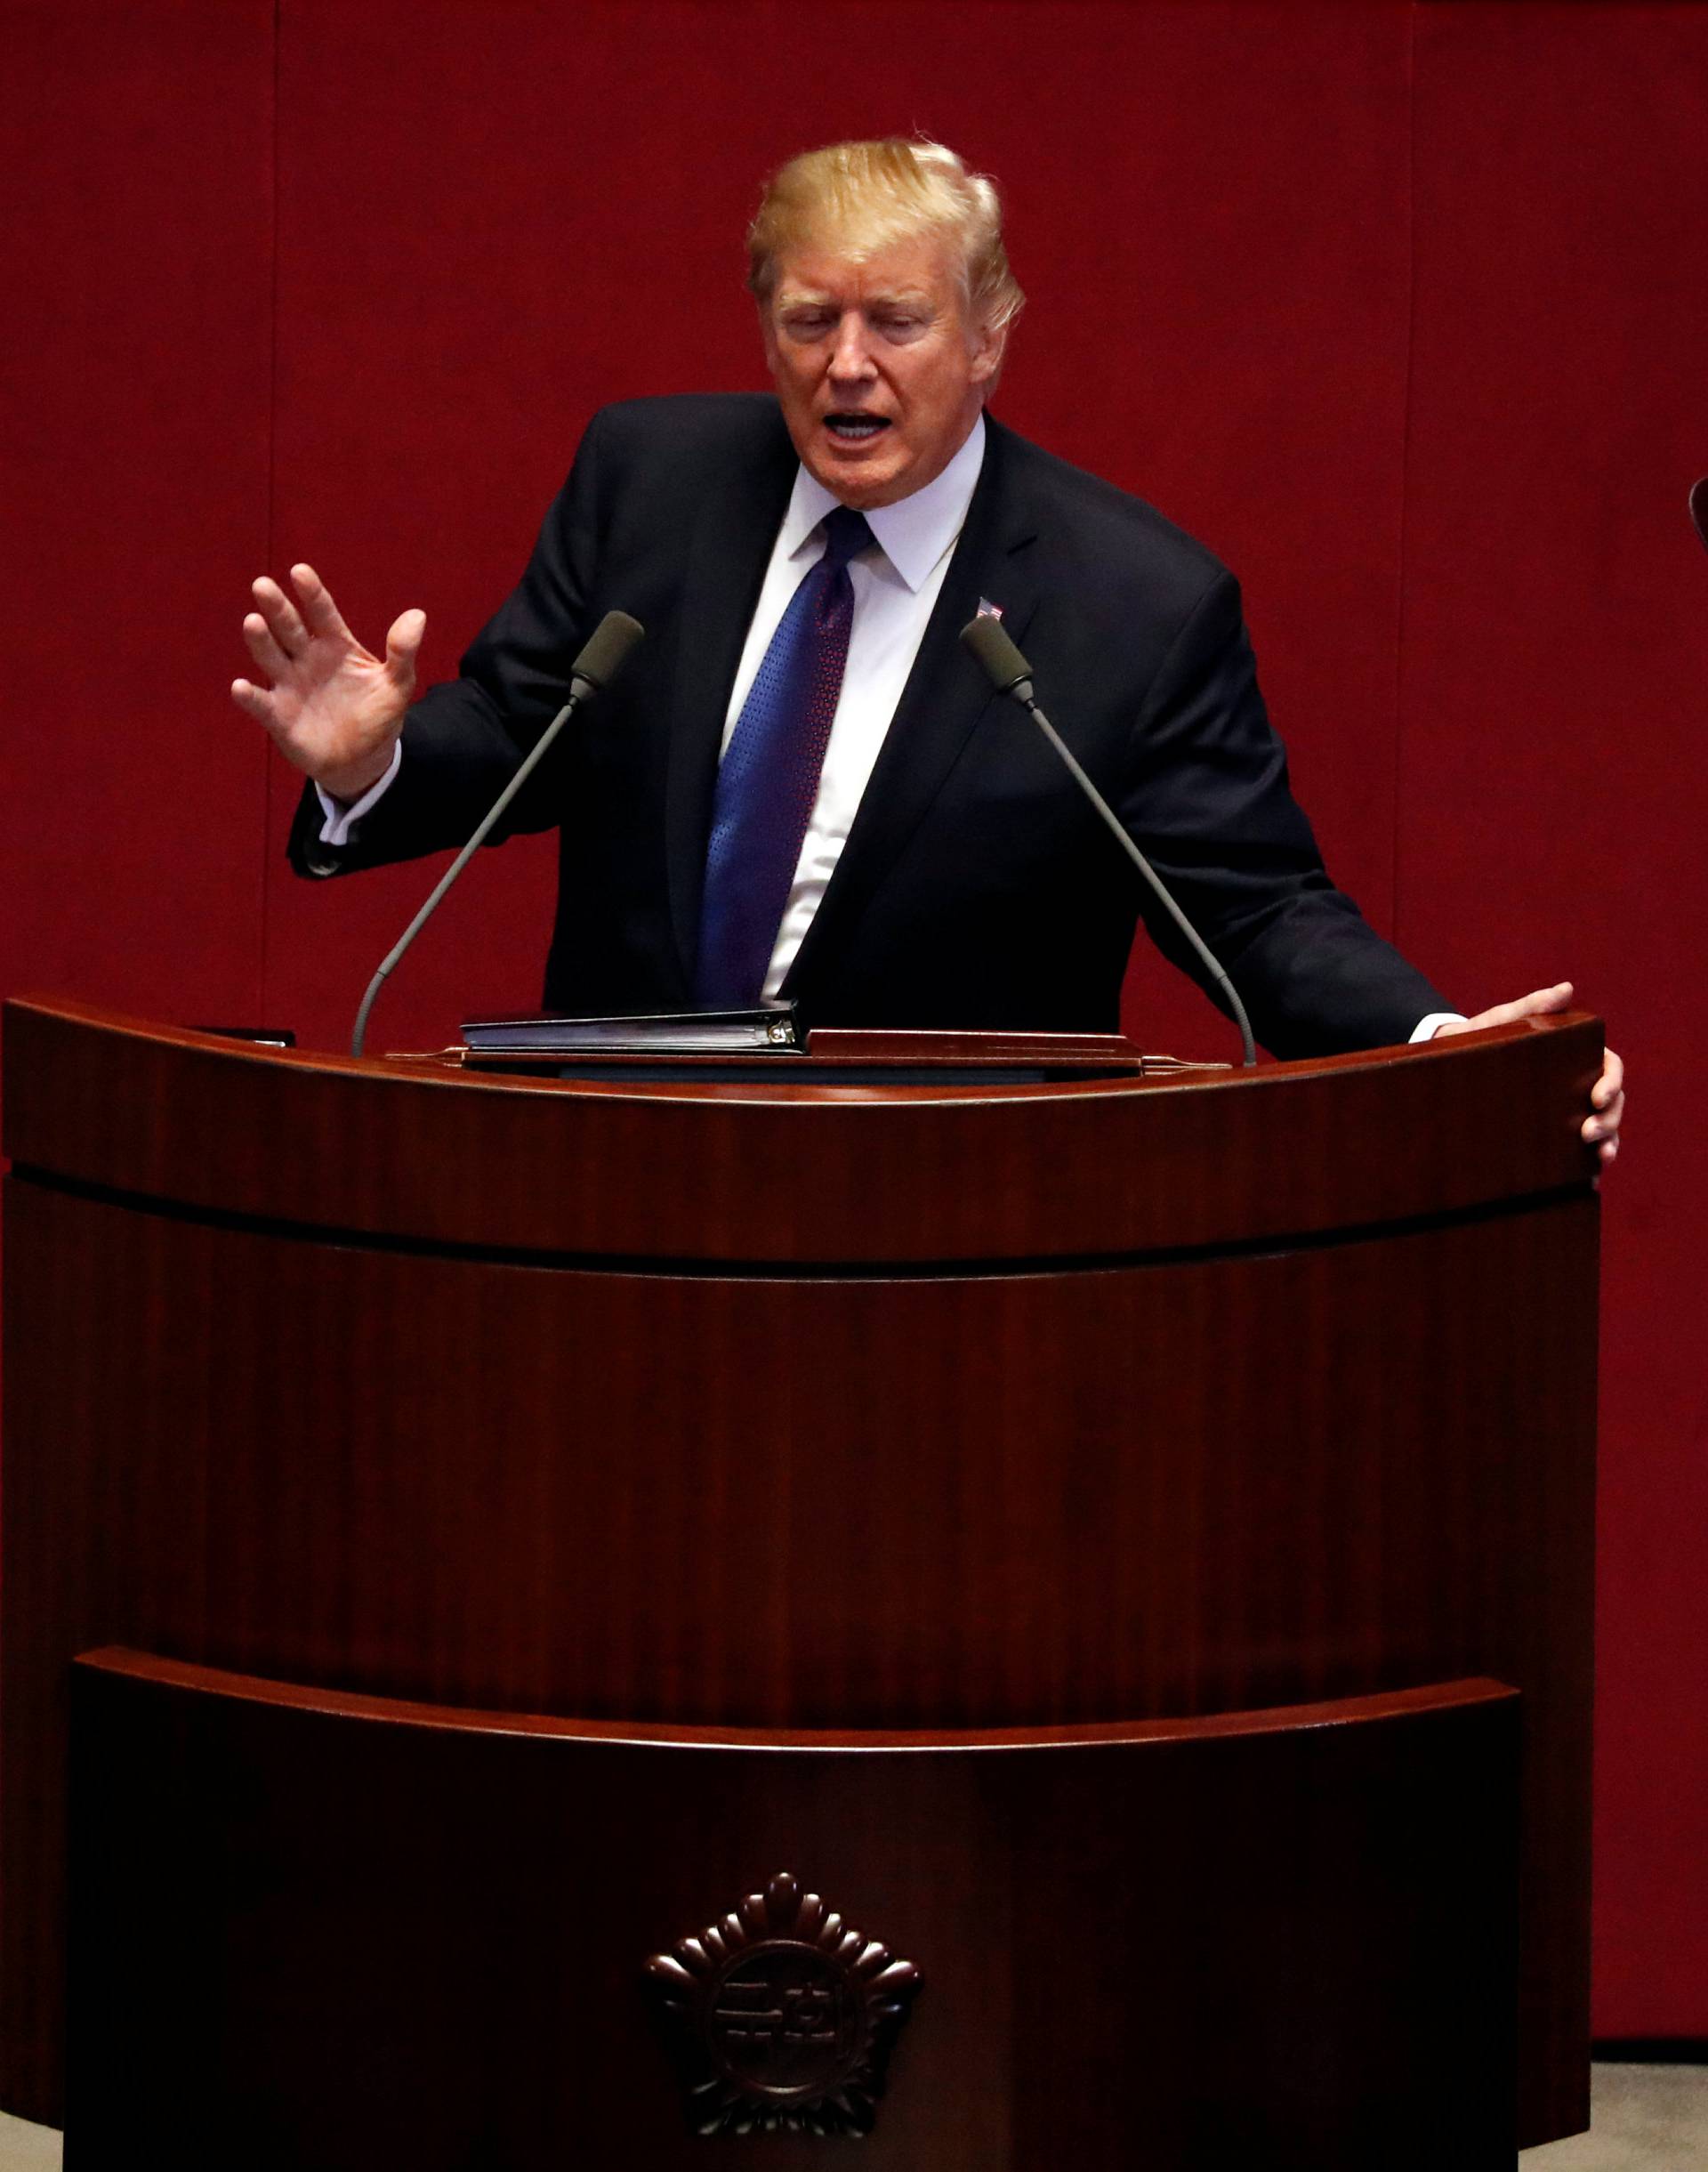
1699 507
608 649
1002 663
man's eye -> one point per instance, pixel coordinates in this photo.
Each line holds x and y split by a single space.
806 324
900 328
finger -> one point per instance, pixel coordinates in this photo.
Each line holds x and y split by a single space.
319 608
1610 1085
258 639
1609 1151
1606 1121
1606 1126
403 640
281 615
254 701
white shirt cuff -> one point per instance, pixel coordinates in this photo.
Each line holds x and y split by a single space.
1424 1030
341 815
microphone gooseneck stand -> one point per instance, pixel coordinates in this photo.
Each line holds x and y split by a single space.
593 670
1010 674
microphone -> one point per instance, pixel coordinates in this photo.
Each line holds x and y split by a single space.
1699 508
606 650
1010 674
603 657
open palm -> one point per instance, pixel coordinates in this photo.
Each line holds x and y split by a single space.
333 709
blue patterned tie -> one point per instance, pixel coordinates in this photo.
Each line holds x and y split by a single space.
768 778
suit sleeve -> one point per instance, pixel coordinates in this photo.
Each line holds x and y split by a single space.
1208 800
463 740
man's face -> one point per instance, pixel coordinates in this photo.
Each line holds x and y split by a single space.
879 374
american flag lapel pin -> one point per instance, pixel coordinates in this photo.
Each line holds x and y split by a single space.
987 609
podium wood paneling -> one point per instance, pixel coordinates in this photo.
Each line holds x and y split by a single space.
1122 1965
803 1406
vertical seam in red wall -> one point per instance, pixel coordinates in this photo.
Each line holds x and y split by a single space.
1404 469
260 1011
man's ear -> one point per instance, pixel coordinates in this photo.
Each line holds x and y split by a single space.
987 346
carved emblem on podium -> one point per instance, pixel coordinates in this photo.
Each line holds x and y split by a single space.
782 2017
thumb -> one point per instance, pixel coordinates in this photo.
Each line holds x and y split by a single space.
403 640
1540 1003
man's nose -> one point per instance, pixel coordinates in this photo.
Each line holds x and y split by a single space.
852 356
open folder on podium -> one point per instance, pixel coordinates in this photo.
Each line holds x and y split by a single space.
756 1043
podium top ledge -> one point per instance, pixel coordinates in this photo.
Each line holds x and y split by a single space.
795 1172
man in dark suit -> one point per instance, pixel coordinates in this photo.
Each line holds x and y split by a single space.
936 867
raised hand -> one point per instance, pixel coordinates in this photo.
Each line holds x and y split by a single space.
333 709
1600 1128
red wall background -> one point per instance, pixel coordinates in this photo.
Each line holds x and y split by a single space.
1402 308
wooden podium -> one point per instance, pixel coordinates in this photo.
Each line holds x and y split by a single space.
549 1563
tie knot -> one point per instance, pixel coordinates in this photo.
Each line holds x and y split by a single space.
846 533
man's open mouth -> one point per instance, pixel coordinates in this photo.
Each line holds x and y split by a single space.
854 429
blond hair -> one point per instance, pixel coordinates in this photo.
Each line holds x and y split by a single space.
867 195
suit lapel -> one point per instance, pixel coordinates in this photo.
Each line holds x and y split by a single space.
735 525
943 701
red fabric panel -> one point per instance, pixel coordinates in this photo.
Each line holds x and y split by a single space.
134 258
1208 213
490 219
1553 779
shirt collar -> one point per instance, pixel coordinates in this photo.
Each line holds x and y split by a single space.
914 532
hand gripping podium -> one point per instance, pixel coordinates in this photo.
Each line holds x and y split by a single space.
606 1622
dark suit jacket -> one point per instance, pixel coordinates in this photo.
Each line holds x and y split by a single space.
977 888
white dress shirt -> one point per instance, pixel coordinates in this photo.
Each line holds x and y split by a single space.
895 586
